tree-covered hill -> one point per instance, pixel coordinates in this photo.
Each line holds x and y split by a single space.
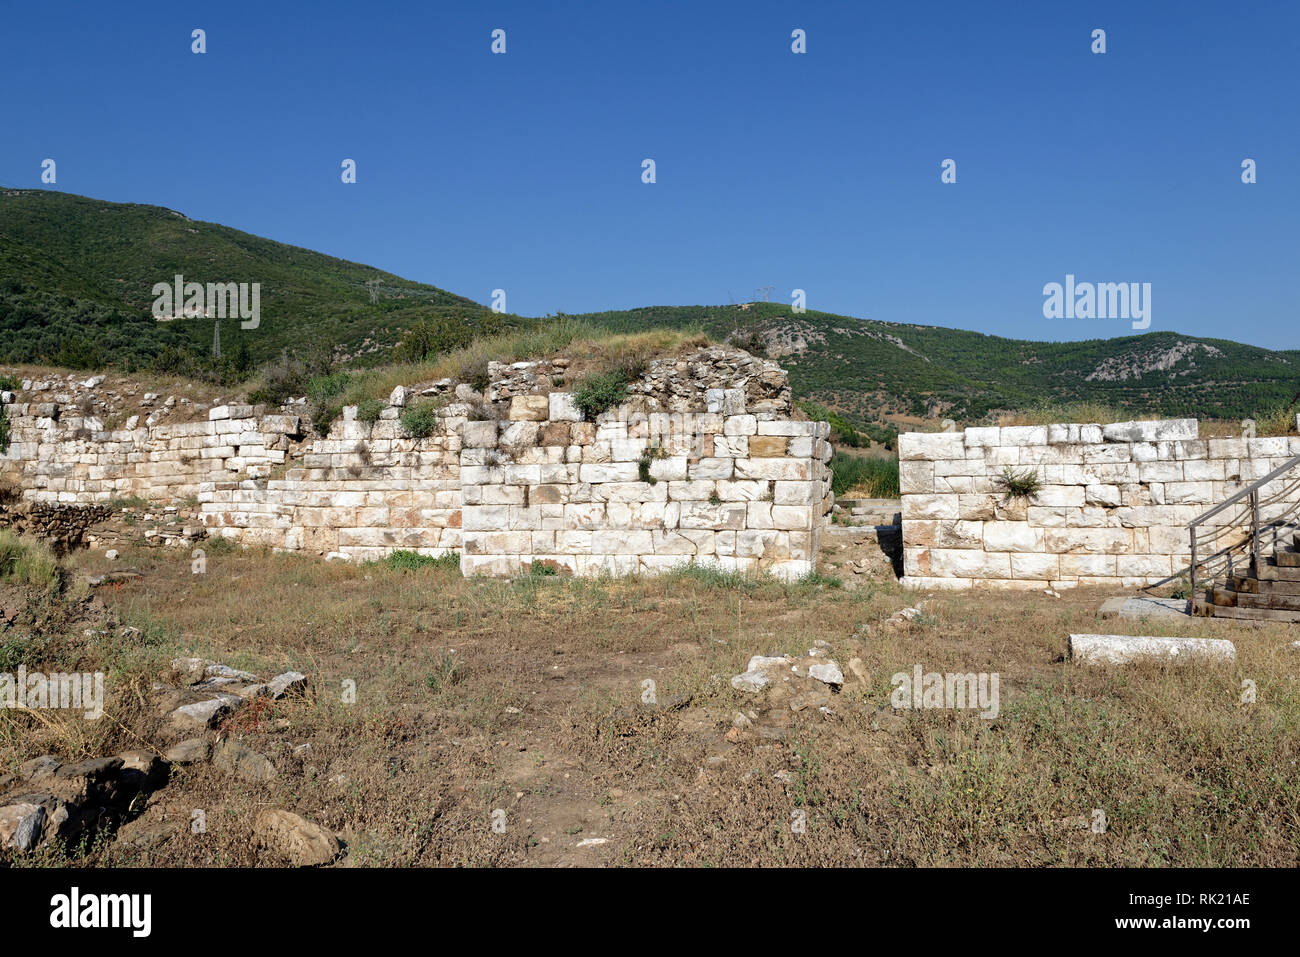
76 280
869 368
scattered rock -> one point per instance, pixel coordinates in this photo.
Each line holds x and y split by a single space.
189 751
243 762
294 838
827 673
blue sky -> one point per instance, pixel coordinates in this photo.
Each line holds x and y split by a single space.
818 171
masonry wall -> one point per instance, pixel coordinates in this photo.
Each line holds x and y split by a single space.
1112 509
634 492
360 493
631 492
58 455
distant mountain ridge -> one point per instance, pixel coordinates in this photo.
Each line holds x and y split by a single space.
77 274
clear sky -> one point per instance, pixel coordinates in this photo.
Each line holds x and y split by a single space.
818 171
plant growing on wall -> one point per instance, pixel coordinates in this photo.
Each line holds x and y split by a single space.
1015 484
419 420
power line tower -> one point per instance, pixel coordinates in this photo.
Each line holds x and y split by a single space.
216 338
765 293
373 286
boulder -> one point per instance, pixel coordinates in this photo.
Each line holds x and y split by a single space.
294 838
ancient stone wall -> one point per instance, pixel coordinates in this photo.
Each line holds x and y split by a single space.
1112 507
361 492
643 492
703 461
58 454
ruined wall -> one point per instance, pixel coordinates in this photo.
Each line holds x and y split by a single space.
1112 509
59 454
701 462
361 492
643 492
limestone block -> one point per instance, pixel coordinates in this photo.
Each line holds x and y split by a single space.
969 563
794 493
1012 537
704 515
768 446
758 515
610 472
711 468
784 470
792 517
981 437
530 408
787 428
740 425
733 446
479 435
1035 567
694 491
1165 430
930 446
931 506
1018 435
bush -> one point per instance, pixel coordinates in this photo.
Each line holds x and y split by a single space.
871 476
368 410
419 420
597 393
27 562
1015 484
4 431
404 560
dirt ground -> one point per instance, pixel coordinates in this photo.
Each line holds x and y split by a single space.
508 723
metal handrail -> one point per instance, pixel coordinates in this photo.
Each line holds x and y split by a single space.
1250 492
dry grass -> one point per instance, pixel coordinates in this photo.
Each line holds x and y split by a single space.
524 696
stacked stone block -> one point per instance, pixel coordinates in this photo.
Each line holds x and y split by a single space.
58 455
1112 507
642 493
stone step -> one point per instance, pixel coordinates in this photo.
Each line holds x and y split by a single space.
1253 614
1223 597
1285 602
859 534
1270 570
1287 558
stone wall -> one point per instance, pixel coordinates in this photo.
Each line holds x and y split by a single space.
637 492
1112 508
361 492
58 454
702 462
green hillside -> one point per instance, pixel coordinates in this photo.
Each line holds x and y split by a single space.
868 369
76 279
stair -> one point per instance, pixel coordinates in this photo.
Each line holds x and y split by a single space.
1269 592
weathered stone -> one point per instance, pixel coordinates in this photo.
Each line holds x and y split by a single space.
294 838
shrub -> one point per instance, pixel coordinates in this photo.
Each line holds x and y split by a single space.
27 562
419 419
4 431
322 416
1276 420
1015 484
599 392
368 410
404 560
873 477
